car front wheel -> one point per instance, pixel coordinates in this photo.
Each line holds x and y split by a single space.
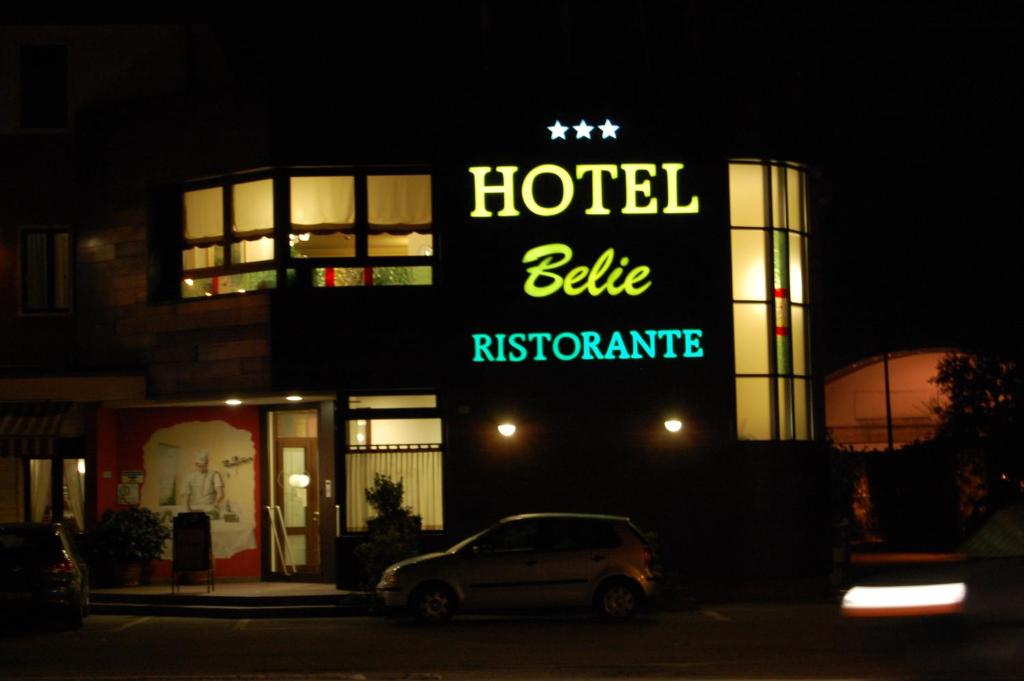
432 603
618 600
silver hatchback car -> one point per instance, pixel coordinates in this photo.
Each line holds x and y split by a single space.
533 561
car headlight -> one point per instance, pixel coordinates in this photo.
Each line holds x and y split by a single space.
903 601
389 579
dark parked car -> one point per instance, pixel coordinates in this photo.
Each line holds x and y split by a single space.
42 574
538 560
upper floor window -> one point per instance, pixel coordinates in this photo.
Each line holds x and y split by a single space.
342 229
45 270
43 86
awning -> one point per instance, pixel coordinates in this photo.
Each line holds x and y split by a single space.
31 428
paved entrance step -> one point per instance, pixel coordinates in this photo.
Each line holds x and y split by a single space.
248 601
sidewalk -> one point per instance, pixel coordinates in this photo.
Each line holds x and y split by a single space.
239 600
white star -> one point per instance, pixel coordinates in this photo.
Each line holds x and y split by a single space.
583 130
608 130
557 131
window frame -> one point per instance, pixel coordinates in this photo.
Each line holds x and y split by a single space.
349 414
779 379
292 271
24 270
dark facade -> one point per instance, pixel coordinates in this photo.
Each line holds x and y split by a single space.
410 339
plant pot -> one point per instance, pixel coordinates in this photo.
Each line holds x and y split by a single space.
128 574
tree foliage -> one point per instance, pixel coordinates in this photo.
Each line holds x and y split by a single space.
982 419
984 398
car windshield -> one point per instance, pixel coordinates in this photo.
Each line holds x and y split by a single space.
469 540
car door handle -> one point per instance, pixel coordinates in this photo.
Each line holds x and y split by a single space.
597 559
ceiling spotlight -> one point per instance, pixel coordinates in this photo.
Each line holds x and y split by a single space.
294 398
673 425
507 429
233 402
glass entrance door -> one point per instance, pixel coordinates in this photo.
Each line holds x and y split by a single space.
297 511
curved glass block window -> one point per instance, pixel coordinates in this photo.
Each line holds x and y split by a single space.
796 268
750 321
769 237
747 195
748 275
753 408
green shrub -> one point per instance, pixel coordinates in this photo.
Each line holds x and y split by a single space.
134 535
393 533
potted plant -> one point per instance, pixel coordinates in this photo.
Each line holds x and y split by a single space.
129 540
393 534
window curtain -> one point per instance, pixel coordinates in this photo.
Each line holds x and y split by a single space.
396 201
419 472
37 274
61 270
322 203
41 487
253 208
74 492
204 214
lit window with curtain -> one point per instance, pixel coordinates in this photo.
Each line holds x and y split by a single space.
399 436
325 228
218 260
769 233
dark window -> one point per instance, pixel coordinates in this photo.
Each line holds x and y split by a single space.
43 71
514 536
45 270
577 534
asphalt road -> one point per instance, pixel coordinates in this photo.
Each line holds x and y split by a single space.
728 642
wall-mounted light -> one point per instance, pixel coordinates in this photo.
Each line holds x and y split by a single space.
233 402
81 466
673 425
300 480
294 398
189 282
507 429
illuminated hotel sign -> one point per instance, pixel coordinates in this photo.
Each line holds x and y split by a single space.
636 178
503 192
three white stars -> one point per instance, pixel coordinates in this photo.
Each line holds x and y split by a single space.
608 130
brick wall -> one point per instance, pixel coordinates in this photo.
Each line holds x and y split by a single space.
188 347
